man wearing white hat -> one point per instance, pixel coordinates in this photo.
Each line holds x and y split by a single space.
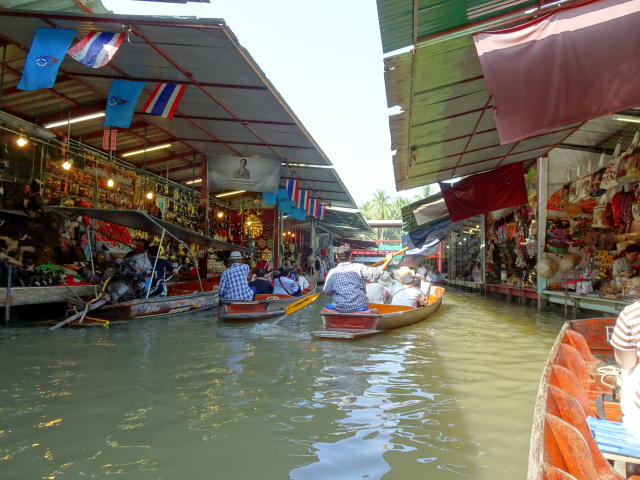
234 283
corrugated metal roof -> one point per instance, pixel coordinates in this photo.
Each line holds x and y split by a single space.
447 128
405 22
229 106
78 6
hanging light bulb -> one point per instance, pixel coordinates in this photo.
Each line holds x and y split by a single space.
249 222
220 214
22 141
66 165
110 183
150 195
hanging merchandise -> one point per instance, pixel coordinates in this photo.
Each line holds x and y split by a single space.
558 233
558 199
580 188
595 189
609 178
628 168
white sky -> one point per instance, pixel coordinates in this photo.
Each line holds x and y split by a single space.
325 59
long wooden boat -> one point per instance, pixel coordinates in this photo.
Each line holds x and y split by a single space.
263 306
576 432
379 318
176 302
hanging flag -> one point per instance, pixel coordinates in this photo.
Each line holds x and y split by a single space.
269 198
47 51
311 207
96 49
303 199
320 211
293 189
298 214
109 139
164 100
121 103
562 68
482 193
323 212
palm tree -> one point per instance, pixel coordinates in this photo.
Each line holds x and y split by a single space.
381 204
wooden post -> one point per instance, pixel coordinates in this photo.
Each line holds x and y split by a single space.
543 195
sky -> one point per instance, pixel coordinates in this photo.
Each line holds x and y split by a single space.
325 59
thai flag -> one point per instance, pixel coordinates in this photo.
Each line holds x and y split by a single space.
293 189
303 200
311 207
320 211
164 100
97 48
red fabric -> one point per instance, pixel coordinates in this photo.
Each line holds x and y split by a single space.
573 65
500 188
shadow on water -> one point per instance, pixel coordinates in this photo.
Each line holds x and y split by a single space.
195 398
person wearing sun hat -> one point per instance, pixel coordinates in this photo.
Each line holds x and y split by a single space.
234 283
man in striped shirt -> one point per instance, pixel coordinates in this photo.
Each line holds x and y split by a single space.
626 346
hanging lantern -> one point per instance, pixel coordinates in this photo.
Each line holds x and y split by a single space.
253 226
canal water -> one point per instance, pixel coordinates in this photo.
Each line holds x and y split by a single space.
192 398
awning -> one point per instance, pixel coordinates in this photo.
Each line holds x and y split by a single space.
142 221
229 106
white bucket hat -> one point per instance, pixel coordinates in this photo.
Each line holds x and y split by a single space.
235 255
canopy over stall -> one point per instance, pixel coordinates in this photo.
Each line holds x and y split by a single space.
142 221
446 128
229 106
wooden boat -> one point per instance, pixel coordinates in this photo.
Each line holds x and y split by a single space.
264 305
182 297
379 318
571 437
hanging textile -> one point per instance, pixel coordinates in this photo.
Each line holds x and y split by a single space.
482 193
570 66
48 48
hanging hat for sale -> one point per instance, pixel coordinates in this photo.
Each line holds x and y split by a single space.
235 255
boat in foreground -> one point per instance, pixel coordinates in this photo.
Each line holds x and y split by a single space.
577 431
379 318
264 305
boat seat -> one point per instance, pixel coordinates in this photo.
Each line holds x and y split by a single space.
615 441
554 473
568 409
568 356
567 381
577 341
573 448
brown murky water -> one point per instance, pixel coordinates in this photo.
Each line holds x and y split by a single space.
192 398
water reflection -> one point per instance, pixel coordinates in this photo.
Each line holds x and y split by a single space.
194 398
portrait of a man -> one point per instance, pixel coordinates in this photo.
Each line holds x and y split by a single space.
242 171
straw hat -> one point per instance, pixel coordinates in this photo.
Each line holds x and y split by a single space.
402 271
235 255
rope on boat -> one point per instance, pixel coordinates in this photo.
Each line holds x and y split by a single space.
611 371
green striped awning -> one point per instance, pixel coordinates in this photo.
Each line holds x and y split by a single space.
436 16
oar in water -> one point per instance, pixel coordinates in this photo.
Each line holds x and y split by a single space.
306 301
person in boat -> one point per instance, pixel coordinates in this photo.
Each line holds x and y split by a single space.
141 245
163 268
285 285
234 282
623 266
346 282
302 280
260 285
625 340
380 290
410 295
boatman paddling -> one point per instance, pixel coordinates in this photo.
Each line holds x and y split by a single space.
234 283
346 282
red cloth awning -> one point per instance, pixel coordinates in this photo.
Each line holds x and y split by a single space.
500 188
570 66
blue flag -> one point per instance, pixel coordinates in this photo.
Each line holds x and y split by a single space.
269 198
121 103
48 48
298 214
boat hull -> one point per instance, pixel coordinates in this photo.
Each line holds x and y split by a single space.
567 394
380 318
262 307
148 308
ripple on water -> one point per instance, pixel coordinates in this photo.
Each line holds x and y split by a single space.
191 398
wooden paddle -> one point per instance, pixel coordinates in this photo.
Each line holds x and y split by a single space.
399 252
306 301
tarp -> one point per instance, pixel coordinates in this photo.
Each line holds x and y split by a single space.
570 66
142 221
500 188
424 234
